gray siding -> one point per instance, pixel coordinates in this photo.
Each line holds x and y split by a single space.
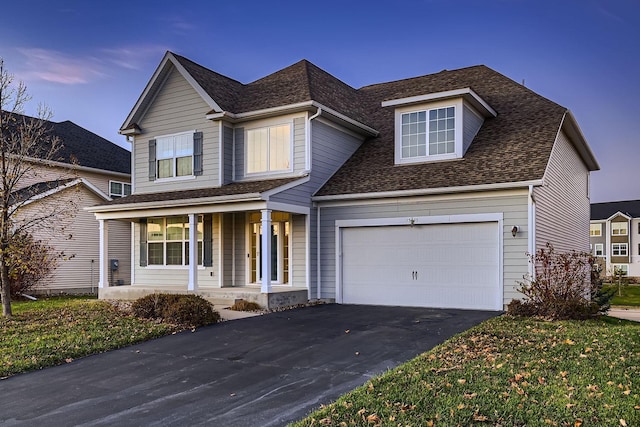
240 236
176 108
297 262
471 125
513 205
238 150
227 143
227 255
330 148
562 205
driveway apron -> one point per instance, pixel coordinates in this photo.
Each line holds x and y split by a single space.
260 371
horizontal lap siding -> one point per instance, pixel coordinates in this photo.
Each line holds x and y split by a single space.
227 245
512 206
563 208
240 236
176 108
297 263
227 133
40 173
471 126
77 234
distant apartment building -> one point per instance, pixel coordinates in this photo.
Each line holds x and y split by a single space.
615 235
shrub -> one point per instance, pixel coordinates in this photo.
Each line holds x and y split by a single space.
243 305
187 310
30 262
567 286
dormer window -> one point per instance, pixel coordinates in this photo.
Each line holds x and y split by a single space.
428 132
437 126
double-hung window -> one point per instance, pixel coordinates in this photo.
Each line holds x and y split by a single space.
168 240
598 249
618 228
268 149
175 156
428 132
595 230
619 249
119 189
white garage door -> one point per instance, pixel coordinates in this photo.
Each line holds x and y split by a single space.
439 265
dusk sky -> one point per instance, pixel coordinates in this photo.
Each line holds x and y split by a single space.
90 60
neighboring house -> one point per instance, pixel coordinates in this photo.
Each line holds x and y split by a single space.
426 191
87 170
615 236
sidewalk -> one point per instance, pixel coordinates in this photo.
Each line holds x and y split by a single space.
625 313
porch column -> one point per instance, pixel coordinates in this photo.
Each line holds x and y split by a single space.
193 253
104 254
265 254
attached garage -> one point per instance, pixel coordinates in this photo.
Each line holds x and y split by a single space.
445 265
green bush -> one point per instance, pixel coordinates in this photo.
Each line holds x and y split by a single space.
188 310
567 286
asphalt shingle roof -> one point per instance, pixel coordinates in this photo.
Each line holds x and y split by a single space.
605 210
36 189
85 148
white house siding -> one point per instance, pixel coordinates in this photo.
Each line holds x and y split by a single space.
512 204
563 209
176 108
76 233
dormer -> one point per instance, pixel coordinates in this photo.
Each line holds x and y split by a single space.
437 126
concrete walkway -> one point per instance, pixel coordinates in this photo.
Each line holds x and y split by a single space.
625 313
265 370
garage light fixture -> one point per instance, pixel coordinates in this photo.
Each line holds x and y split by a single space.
514 230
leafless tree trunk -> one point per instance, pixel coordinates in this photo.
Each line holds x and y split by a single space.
23 141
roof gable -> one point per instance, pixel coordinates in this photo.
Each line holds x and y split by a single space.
604 211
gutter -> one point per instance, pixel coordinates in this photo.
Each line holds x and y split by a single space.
246 197
428 191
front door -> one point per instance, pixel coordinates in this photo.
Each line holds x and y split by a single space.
279 249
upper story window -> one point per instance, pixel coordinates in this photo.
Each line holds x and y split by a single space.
268 149
175 156
619 228
437 126
595 230
119 189
619 249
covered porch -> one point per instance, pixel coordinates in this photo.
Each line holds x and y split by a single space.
254 250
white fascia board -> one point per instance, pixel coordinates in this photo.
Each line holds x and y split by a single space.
467 93
63 187
619 213
429 191
285 109
176 203
183 210
287 207
435 219
149 88
571 127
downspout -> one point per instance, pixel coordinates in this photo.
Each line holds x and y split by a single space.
233 249
531 249
308 167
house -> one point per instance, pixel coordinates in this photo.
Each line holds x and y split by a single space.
87 170
614 235
426 191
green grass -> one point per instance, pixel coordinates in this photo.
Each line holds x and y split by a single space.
507 372
54 331
630 295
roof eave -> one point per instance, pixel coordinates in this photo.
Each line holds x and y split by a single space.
468 94
570 126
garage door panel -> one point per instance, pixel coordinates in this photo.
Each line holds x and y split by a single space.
440 265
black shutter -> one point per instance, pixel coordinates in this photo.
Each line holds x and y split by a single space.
143 242
152 160
208 240
197 153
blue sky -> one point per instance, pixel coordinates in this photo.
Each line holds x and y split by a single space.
89 61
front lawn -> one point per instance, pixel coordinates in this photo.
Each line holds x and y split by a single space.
507 372
53 331
630 295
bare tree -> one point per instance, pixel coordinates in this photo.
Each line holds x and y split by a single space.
26 143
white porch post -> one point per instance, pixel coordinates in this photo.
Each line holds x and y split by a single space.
104 254
266 251
193 253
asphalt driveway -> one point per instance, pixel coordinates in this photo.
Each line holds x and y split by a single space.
260 371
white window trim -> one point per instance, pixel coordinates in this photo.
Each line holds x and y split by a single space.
268 125
175 177
599 230
122 183
621 246
624 267
164 241
280 255
601 247
626 230
458 138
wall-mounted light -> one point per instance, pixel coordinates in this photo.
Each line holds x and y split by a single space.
514 230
